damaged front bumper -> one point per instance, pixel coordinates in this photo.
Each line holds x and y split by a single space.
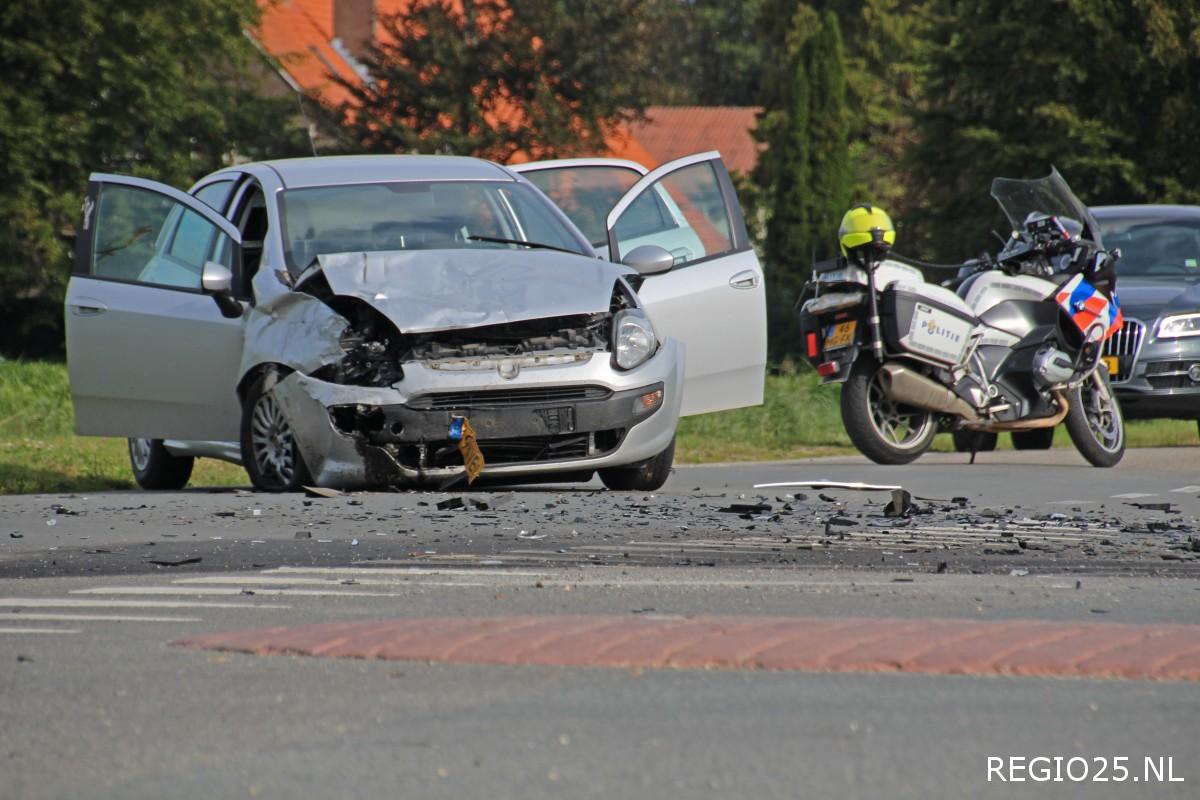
550 419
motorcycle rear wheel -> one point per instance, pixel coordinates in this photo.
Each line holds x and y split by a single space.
1095 423
883 430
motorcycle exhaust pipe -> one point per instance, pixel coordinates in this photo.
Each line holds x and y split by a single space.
913 389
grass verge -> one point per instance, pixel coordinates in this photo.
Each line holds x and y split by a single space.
799 418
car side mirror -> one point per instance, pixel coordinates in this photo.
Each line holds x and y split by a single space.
649 259
217 280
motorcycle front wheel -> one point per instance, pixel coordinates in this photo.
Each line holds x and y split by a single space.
1095 422
882 429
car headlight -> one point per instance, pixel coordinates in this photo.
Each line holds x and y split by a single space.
633 338
1179 325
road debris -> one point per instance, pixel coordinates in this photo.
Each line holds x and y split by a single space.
174 562
320 491
861 487
450 504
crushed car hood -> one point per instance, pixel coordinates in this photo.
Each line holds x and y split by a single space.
436 290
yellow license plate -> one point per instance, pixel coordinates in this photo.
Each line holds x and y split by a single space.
471 454
1112 362
840 335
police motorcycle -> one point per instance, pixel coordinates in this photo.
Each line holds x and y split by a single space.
1013 343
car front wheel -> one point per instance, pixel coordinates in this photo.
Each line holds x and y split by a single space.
647 476
155 468
269 451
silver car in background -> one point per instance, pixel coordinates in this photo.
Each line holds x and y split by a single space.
339 321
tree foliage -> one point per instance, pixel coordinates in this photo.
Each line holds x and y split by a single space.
806 168
494 79
130 86
1106 90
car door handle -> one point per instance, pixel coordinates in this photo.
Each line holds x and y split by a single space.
88 308
746 279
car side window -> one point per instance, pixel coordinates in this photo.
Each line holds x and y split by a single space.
215 195
683 212
146 237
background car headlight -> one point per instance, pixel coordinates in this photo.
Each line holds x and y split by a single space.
1179 325
633 338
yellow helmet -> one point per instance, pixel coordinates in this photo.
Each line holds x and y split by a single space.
859 226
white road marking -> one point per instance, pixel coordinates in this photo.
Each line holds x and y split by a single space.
52 602
1187 489
862 487
230 591
38 630
268 580
392 571
94 618
1133 495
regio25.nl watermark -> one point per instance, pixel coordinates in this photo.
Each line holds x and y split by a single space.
1082 769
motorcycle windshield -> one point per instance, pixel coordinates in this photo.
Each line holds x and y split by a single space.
1049 195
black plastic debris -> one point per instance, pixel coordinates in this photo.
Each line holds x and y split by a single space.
480 505
16 536
1153 507
450 503
901 504
746 508
175 562
303 535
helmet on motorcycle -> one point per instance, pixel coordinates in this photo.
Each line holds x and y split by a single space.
866 230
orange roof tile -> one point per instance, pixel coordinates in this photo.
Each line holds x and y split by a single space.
669 132
297 34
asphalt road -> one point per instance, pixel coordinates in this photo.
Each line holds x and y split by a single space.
95 702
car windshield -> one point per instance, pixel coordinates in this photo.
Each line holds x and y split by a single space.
418 215
1155 247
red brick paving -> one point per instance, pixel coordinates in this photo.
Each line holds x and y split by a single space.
944 647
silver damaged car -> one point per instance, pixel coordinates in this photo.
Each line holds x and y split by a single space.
389 320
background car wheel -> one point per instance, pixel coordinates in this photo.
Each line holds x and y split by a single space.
647 476
984 442
1095 422
155 468
269 450
1036 439
883 430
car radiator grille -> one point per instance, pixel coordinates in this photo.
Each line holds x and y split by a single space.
1170 375
1125 344
503 398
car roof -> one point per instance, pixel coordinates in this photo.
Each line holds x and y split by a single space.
1146 211
297 173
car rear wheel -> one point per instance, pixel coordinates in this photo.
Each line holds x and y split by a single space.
269 451
155 468
647 476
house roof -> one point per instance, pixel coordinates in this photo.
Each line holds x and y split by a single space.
669 132
299 35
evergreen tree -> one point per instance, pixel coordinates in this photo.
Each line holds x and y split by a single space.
806 170
1105 90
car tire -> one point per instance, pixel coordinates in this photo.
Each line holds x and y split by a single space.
883 430
983 441
1036 439
647 476
155 468
269 451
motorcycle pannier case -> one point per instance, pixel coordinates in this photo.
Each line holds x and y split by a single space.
931 327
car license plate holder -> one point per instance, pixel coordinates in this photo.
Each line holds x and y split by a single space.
462 432
840 334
